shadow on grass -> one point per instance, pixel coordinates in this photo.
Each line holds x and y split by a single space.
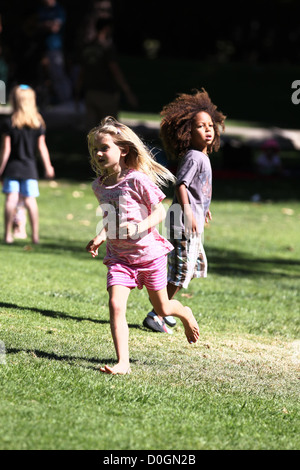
66 358
58 246
66 246
63 316
236 263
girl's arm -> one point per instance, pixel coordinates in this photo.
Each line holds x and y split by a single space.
93 245
183 199
208 216
44 152
5 152
157 215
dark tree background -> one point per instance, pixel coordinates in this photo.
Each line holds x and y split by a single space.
246 53
256 31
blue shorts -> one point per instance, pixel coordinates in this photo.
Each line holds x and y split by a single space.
27 188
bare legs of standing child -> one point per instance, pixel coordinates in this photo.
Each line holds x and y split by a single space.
32 207
11 203
118 296
19 222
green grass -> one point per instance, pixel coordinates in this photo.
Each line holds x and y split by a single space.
237 388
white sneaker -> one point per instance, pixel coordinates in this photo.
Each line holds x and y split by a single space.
155 324
170 320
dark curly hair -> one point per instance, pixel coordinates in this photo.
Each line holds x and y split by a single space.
177 120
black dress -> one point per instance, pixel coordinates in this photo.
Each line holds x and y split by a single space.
22 162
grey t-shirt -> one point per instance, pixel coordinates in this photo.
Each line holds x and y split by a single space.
196 174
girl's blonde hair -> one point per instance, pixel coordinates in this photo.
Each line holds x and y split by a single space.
25 112
139 157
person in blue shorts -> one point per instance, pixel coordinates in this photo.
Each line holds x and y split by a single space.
22 134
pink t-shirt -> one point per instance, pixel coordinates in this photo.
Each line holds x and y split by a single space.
131 200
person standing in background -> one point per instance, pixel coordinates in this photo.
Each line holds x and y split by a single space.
23 132
101 79
51 18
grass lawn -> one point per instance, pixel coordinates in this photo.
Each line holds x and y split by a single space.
237 388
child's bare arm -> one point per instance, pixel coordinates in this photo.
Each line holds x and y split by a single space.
43 149
93 245
183 199
208 216
5 152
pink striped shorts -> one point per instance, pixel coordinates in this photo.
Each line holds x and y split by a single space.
152 275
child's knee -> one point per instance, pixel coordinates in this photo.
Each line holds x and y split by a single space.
116 305
12 198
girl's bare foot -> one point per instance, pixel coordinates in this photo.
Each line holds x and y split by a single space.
191 326
117 369
9 239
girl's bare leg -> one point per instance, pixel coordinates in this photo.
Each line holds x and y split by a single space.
11 202
164 306
31 205
19 222
172 291
118 296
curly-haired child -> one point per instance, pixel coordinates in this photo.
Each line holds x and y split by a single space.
190 131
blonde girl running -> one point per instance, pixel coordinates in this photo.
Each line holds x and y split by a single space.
127 188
